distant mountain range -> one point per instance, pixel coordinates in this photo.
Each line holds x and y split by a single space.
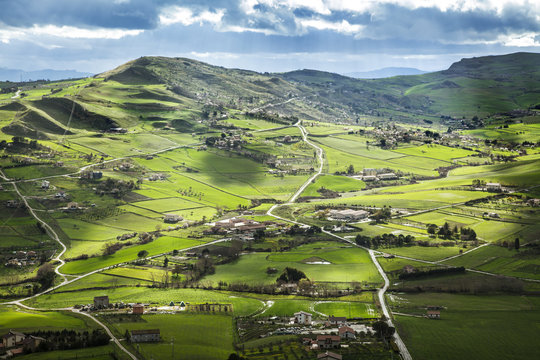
17 75
385 72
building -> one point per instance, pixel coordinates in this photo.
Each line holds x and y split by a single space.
32 342
348 214
45 184
346 332
434 314
172 218
13 338
302 317
328 341
329 356
337 320
138 309
493 187
369 172
151 335
101 302
387 176
97 175
369 178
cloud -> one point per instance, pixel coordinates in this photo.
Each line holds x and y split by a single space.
35 33
343 27
186 16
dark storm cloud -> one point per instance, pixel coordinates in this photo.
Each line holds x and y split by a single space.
133 14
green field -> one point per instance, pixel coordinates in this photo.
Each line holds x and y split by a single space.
485 327
346 265
194 336
242 305
499 260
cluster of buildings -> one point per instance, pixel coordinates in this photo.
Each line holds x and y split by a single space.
326 341
22 258
236 226
16 343
370 175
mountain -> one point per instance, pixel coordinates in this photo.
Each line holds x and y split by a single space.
178 93
16 75
385 72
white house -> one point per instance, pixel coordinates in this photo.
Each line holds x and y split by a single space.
302 317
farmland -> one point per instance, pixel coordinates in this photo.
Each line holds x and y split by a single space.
270 199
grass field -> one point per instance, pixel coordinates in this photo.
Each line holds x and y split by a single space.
187 331
242 305
160 245
334 183
485 327
500 260
20 319
346 265
347 309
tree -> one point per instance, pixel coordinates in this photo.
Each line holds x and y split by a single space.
177 270
432 229
383 330
516 244
166 262
142 254
350 170
45 275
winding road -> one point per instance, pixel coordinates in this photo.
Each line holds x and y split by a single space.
404 352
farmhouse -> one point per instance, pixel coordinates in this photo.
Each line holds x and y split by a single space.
152 335
346 332
328 341
45 184
329 356
172 218
493 187
101 302
337 320
302 317
434 314
12 339
138 309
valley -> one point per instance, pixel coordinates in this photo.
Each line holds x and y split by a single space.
219 207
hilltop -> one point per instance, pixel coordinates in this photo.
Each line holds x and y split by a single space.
177 92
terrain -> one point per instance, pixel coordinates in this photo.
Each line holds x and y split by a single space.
225 201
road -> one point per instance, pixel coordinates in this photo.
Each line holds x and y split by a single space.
404 352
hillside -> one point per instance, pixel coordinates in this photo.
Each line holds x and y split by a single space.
177 92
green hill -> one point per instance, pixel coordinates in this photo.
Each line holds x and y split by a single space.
177 93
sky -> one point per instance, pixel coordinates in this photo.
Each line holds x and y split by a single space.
264 35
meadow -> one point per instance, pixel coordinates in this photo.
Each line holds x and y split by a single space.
242 306
347 264
485 327
195 336
501 260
